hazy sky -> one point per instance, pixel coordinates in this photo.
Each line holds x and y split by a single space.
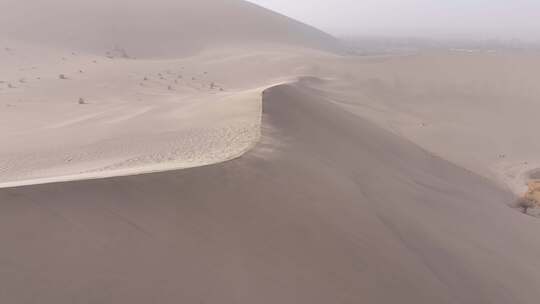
485 18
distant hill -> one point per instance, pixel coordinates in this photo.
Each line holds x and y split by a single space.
153 28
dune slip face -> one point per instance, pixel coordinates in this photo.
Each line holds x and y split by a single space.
327 208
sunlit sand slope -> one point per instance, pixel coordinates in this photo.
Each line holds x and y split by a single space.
327 208
153 28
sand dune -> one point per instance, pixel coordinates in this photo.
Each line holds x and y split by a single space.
327 208
216 152
103 88
164 28
156 114
477 110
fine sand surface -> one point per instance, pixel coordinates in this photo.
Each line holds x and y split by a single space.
478 110
100 88
143 115
327 208
216 152
163 28
138 115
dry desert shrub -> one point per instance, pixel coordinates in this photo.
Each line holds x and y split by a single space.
122 52
525 204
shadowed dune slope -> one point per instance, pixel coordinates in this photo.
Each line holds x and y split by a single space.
326 209
153 28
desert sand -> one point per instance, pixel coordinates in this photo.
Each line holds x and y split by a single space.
217 152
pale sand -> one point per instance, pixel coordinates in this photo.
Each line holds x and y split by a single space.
130 123
164 28
327 208
371 180
477 110
482 120
166 85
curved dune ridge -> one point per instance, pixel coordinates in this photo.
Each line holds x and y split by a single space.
161 28
354 180
101 88
185 148
327 208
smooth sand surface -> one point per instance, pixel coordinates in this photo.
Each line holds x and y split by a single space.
163 28
327 208
216 152
478 110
